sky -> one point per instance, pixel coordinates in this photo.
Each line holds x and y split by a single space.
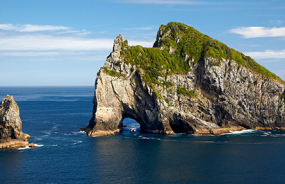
65 42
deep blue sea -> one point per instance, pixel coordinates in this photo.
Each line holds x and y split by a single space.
53 116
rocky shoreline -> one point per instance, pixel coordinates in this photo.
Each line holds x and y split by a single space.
12 143
91 133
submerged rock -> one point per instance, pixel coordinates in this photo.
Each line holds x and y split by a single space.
200 87
11 135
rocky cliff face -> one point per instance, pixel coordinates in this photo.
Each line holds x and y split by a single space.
11 135
204 96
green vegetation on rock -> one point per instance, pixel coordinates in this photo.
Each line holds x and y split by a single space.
113 73
187 44
217 64
153 61
185 92
198 46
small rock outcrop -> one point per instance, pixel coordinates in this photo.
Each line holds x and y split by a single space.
11 135
187 83
32 145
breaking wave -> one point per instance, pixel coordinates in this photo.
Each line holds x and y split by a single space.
240 132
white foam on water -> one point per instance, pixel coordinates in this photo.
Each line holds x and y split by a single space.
39 145
265 134
27 147
77 142
240 132
73 133
81 132
47 133
38 138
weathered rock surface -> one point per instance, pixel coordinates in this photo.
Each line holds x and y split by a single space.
32 145
11 135
228 97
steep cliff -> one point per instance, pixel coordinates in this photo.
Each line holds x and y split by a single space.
187 83
11 135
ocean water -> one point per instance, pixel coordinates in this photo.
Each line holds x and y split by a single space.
53 116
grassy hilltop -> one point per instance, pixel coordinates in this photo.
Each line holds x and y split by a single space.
187 44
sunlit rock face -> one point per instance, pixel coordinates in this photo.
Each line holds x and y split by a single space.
213 96
11 135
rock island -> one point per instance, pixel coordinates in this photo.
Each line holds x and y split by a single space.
11 135
187 83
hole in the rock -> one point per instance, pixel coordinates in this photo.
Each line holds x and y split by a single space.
131 125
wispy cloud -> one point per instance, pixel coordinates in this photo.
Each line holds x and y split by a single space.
41 42
255 32
268 54
32 28
167 2
48 47
52 42
276 22
29 42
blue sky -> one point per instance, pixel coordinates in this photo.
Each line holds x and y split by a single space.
65 42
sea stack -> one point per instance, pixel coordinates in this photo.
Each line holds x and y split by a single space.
11 135
187 83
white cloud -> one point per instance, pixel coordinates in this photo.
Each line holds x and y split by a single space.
255 32
53 42
32 28
40 42
28 28
20 44
268 54
168 2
